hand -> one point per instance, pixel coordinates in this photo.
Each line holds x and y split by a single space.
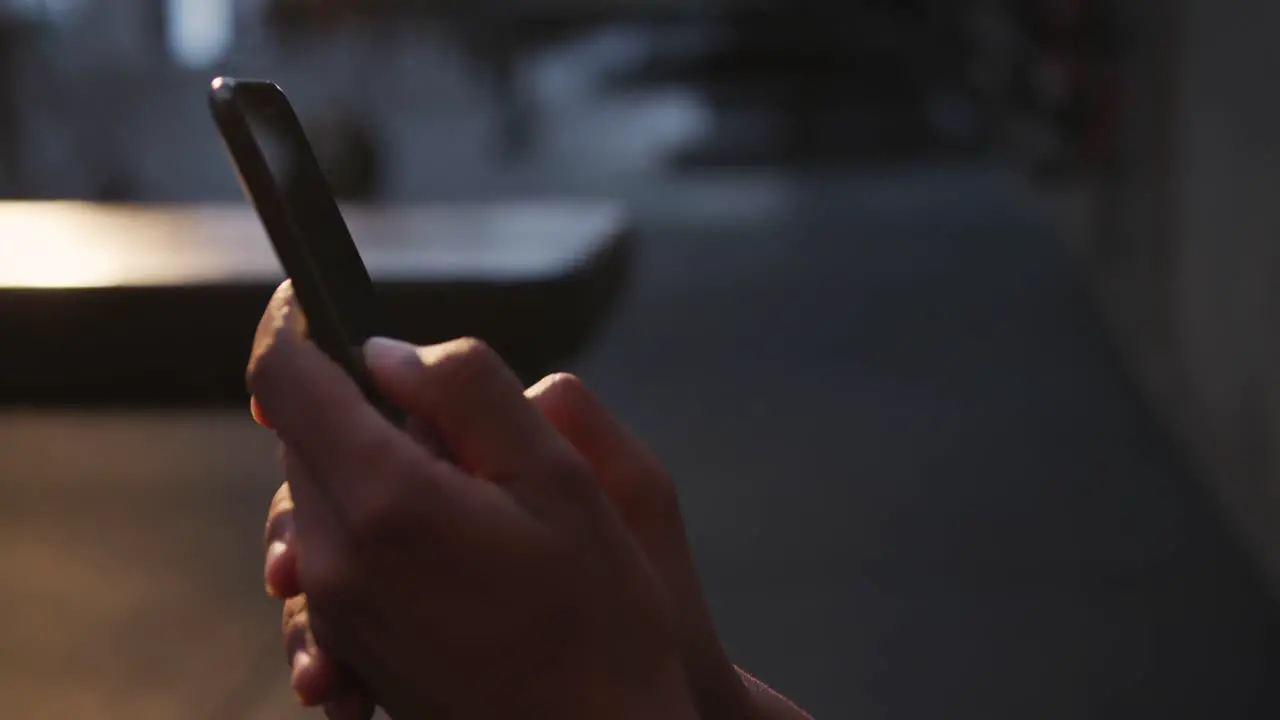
499 583
643 493
646 499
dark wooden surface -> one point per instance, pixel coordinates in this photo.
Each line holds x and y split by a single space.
158 304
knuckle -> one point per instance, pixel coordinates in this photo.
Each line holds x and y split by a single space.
294 626
566 385
279 517
468 357
294 613
562 395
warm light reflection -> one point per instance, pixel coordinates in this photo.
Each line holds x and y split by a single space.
63 244
44 246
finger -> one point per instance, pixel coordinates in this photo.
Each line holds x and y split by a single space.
316 409
418 430
317 678
314 678
323 682
334 540
280 574
421 430
321 553
639 487
282 296
310 673
350 452
314 675
632 477
467 393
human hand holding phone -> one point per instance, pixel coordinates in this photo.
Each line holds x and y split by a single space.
396 585
282 179
372 500
499 583
635 484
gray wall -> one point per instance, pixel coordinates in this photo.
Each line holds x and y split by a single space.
1187 262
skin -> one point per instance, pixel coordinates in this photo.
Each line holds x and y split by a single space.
557 533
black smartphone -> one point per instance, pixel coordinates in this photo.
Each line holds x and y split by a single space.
283 181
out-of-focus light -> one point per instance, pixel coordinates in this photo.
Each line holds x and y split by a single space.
70 244
200 32
43 249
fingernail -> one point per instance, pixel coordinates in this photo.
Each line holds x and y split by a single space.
274 551
385 353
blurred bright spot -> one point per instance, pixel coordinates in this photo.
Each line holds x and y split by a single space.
199 32
43 249
70 244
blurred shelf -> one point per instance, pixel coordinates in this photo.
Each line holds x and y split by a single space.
158 304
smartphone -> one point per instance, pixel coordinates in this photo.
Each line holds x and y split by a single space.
283 181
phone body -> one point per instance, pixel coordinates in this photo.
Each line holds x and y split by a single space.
282 179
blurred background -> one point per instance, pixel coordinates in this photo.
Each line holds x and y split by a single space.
951 319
